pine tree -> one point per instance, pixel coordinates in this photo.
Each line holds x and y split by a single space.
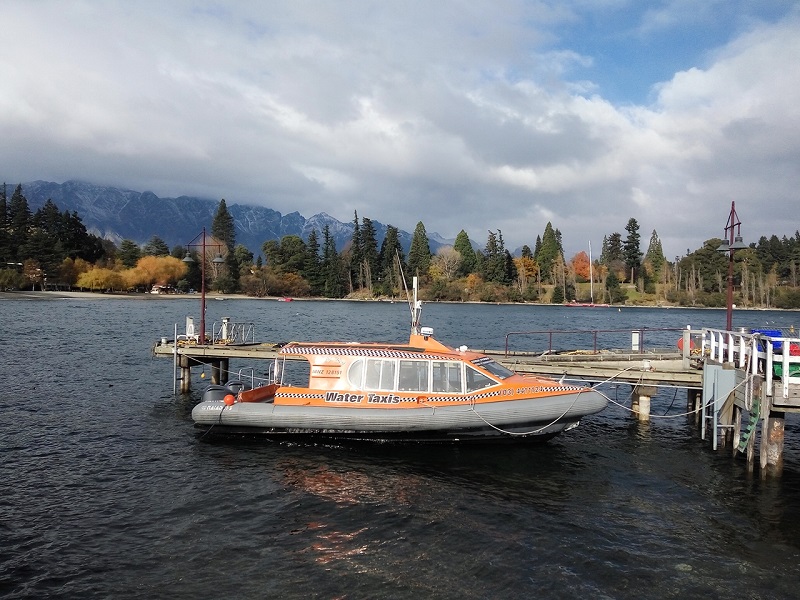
510 268
312 270
467 252
631 253
654 257
615 292
3 207
19 220
369 252
356 273
549 251
223 227
5 251
331 266
419 254
155 247
389 270
129 253
494 263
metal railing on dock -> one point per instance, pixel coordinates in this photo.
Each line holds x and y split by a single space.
231 332
579 340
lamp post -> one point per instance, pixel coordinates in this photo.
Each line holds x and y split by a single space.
201 241
731 242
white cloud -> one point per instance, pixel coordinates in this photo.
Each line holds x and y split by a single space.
459 115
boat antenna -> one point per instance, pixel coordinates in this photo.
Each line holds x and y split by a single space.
414 306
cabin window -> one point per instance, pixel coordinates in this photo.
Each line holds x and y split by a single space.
477 380
494 367
413 376
446 376
380 374
355 373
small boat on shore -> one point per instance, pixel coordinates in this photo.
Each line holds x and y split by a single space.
420 391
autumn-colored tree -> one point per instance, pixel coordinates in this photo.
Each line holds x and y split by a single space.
474 283
33 273
266 281
70 270
527 270
580 264
99 278
150 270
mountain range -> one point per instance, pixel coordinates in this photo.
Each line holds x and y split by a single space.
116 214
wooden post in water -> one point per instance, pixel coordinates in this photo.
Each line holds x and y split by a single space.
186 375
695 404
224 371
772 443
641 401
215 379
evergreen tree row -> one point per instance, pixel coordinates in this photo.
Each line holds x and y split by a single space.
52 247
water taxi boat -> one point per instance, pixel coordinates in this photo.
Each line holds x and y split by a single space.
422 391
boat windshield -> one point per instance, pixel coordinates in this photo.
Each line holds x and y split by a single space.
494 367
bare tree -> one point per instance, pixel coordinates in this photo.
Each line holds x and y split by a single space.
447 261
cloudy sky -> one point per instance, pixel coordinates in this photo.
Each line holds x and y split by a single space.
474 115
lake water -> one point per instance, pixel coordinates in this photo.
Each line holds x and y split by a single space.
107 491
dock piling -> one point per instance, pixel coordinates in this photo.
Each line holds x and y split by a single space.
772 442
641 401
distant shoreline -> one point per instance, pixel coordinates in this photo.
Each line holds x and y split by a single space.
103 296
55 295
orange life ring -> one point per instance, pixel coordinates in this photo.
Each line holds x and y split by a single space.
680 344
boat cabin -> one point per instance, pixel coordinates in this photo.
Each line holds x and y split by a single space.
406 369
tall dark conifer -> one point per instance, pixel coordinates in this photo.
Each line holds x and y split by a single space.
389 271
631 252
419 254
19 221
369 252
467 252
312 270
223 227
3 206
129 253
548 252
5 254
356 270
494 268
655 255
331 266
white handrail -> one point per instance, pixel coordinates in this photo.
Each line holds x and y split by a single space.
763 351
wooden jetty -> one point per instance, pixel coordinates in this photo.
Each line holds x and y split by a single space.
740 385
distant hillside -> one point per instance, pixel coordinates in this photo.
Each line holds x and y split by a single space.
116 214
